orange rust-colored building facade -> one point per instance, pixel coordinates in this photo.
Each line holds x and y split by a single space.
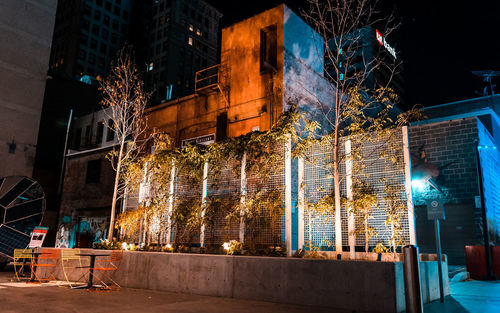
245 92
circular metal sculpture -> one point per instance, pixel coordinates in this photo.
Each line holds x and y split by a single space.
22 204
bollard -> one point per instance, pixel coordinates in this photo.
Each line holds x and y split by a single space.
412 280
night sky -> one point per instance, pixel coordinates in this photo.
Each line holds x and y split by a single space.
440 43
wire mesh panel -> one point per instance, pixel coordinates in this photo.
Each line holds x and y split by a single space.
319 224
265 224
383 170
223 197
187 195
381 167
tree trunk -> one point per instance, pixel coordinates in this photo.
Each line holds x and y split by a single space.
115 193
336 183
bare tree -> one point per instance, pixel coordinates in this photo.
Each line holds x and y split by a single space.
124 101
342 26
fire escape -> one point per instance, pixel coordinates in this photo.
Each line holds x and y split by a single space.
213 79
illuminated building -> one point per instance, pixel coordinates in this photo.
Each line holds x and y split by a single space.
267 61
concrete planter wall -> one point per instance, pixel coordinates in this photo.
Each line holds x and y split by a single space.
351 285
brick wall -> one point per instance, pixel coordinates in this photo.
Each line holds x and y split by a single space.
451 146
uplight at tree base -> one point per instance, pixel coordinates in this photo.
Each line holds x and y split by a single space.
418 184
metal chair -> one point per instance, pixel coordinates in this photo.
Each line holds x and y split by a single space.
49 258
70 258
103 270
22 258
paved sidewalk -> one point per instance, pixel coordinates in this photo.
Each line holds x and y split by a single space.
469 296
21 297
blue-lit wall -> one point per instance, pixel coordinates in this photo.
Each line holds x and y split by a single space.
490 165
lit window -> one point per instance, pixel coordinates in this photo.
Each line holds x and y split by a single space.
191 27
198 32
151 66
190 41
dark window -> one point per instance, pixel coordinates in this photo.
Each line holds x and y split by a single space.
125 15
115 24
93 44
117 11
100 132
92 58
97 15
221 130
268 49
103 48
77 139
114 38
84 39
95 30
105 20
88 132
111 133
108 6
93 172
104 33
101 62
98 2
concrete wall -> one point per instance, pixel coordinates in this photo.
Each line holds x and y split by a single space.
25 37
351 285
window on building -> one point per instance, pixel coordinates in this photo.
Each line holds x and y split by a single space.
190 40
93 44
97 15
268 49
114 38
88 135
125 15
114 24
105 20
117 11
77 138
92 58
108 6
104 33
110 135
103 48
98 2
191 27
101 63
95 29
93 172
198 32
99 133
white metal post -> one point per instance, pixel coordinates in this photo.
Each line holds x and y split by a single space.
409 195
170 203
301 204
243 191
350 216
203 203
288 196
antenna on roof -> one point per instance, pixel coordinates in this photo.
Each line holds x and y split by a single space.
487 78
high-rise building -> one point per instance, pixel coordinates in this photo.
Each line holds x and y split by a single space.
87 35
25 36
182 38
368 55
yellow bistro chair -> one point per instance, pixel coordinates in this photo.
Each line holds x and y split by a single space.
71 260
22 258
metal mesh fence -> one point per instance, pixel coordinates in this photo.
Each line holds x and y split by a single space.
381 165
222 203
267 227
